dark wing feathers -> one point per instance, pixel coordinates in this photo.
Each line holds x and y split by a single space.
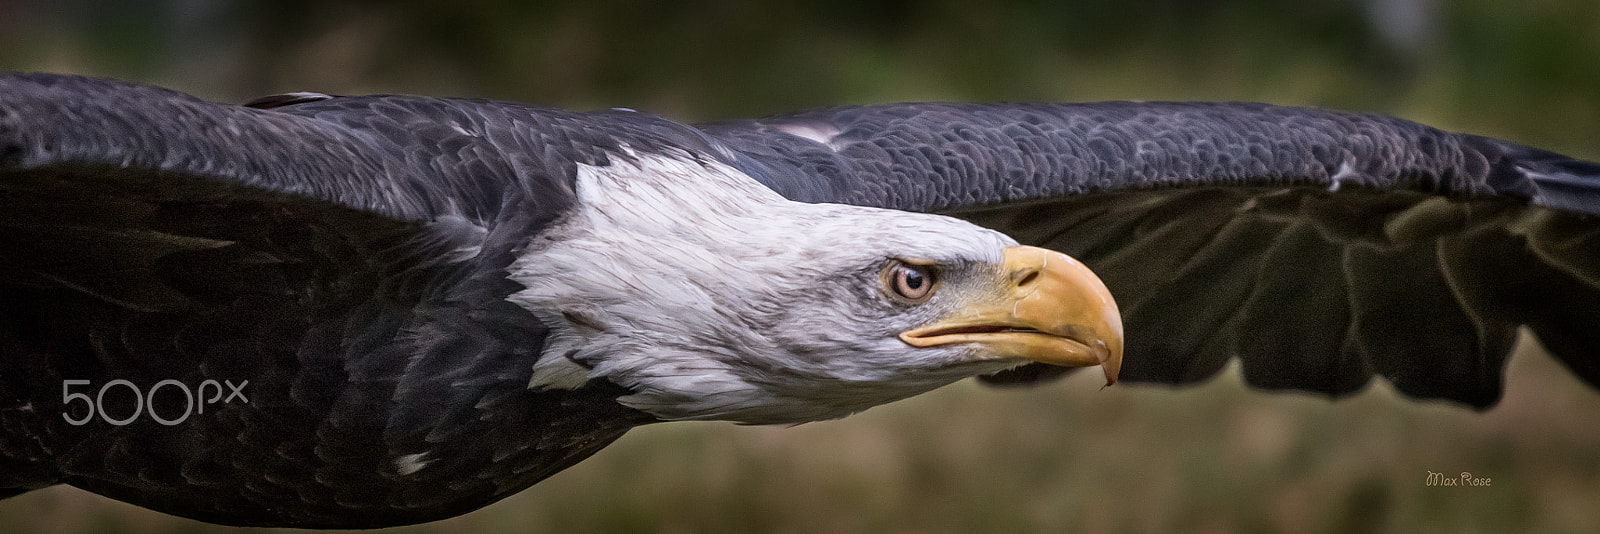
285 99
1321 248
344 256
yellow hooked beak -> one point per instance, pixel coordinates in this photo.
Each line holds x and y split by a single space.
1053 311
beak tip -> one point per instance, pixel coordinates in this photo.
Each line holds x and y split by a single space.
1111 350
1110 369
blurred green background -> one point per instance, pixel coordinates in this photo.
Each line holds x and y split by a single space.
1066 457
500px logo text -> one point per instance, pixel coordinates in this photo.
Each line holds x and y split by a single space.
194 400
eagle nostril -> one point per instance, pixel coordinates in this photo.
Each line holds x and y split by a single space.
1025 277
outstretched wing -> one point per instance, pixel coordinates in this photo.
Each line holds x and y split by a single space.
1320 248
342 260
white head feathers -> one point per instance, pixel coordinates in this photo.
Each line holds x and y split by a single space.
712 297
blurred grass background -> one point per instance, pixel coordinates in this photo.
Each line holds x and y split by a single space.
1062 458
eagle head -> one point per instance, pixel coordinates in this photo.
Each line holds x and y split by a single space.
709 296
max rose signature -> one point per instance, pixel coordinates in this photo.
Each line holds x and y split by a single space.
1466 479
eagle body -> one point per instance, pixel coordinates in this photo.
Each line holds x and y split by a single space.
385 310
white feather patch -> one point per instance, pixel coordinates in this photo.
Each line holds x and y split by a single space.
1345 172
411 463
667 276
822 134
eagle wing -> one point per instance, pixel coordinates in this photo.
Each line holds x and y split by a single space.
341 261
1319 248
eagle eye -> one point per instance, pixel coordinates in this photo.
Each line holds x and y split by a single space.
910 282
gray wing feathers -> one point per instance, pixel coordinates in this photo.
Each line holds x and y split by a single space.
408 158
933 157
51 119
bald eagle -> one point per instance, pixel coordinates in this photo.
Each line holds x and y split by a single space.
320 311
